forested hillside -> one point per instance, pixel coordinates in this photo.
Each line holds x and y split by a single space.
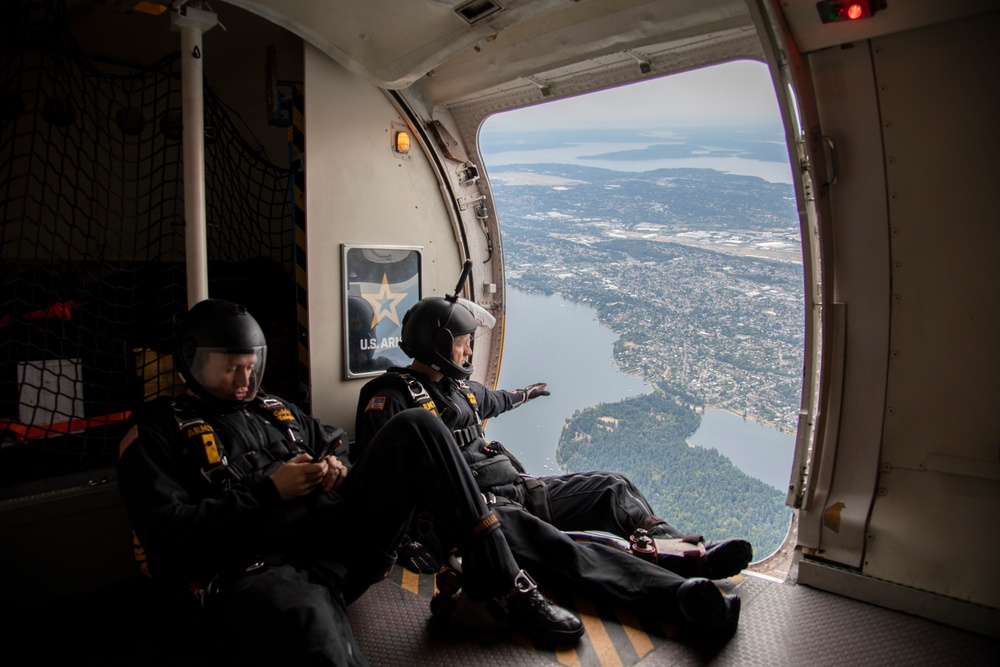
696 490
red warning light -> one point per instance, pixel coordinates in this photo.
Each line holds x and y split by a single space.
848 10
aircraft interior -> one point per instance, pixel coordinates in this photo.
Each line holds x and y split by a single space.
153 154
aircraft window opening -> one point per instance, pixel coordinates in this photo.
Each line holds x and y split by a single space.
654 279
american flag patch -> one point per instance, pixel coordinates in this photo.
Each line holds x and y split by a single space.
377 403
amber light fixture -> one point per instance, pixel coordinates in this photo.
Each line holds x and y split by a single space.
402 142
154 8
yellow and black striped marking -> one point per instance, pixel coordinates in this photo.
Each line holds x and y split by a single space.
614 637
297 138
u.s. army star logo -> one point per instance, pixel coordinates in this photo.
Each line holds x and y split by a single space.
385 302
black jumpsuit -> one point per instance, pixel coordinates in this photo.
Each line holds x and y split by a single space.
602 501
318 552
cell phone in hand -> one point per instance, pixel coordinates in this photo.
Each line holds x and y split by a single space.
329 445
325 450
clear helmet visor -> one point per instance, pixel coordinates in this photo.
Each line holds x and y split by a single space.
229 375
461 355
484 319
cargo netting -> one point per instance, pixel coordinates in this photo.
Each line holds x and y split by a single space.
92 237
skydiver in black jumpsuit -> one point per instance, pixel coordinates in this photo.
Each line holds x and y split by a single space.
437 334
232 493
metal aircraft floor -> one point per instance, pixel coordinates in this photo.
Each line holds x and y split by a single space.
780 624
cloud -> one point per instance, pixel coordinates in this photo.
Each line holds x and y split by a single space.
736 93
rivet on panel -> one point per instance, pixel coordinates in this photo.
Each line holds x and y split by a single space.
897 265
886 467
894 354
882 491
896 298
890 411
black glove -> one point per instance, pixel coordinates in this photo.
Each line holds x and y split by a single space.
417 558
532 391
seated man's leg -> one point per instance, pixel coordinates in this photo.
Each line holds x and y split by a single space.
606 501
415 462
610 502
278 616
609 575
588 568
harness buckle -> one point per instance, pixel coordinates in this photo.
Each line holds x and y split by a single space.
210 471
256 565
467 435
523 584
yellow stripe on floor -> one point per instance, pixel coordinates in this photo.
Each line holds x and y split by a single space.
605 649
568 657
640 640
411 581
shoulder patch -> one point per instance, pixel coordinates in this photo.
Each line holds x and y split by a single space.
376 403
129 438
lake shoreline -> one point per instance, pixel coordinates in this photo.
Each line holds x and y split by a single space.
652 382
533 433
749 418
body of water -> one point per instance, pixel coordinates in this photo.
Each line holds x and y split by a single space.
757 450
550 339
774 172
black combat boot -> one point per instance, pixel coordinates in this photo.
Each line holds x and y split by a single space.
527 611
726 558
708 614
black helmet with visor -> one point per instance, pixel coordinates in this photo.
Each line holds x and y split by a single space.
221 353
430 328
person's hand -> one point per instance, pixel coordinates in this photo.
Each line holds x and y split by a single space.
532 391
417 558
298 476
335 474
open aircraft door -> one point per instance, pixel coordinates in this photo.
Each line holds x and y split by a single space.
897 448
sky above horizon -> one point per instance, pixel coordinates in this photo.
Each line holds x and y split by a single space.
732 94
